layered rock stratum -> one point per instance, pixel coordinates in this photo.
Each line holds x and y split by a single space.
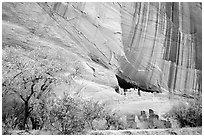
155 46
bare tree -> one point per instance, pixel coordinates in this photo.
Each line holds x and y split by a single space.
28 79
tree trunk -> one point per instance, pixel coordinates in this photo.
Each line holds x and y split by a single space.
108 126
26 114
91 124
33 123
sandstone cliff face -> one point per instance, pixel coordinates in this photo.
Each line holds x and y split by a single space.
162 42
153 45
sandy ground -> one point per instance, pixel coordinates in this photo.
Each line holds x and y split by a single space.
132 103
181 131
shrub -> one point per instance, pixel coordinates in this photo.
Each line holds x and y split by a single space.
113 120
71 115
12 112
188 115
92 110
66 116
5 129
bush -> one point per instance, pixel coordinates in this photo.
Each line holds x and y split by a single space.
73 115
66 116
92 110
188 115
12 113
113 120
5 129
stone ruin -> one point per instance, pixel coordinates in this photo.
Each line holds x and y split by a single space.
143 121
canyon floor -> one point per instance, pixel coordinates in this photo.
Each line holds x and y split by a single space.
132 103
174 131
177 131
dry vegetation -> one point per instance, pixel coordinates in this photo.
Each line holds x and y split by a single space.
188 115
29 102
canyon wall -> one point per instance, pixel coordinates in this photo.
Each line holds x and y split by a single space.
163 44
156 46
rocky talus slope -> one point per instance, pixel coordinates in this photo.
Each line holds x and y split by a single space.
156 46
